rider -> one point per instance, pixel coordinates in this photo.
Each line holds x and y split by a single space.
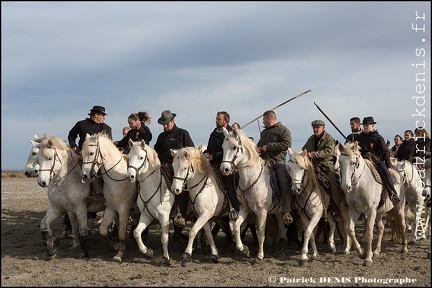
373 147
92 125
320 150
274 142
139 131
173 137
407 150
355 129
214 153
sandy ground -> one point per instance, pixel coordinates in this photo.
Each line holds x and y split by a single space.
24 262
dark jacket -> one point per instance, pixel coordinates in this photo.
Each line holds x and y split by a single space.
278 140
176 138
323 148
352 137
143 133
85 126
407 150
374 143
214 146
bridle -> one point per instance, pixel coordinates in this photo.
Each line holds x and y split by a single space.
98 154
52 171
356 165
300 181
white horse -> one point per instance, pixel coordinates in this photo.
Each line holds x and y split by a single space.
363 195
155 200
60 171
254 187
413 190
310 201
32 167
207 200
100 155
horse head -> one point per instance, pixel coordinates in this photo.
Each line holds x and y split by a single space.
51 157
348 156
238 150
298 169
141 158
91 157
32 167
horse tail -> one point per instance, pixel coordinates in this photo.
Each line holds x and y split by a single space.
396 225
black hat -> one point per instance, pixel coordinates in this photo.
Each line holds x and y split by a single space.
166 116
98 109
317 123
368 120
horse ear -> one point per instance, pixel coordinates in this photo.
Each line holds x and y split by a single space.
130 142
173 151
225 131
50 143
35 137
289 151
304 152
143 144
87 135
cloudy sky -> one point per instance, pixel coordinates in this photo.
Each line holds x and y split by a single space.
59 59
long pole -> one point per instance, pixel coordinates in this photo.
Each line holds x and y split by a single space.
295 97
330 121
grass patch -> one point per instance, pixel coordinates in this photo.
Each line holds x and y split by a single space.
15 174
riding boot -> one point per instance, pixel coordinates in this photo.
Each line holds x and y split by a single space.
335 195
385 176
232 196
285 192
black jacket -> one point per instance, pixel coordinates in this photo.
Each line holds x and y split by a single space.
85 126
176 138
374 143
143 133
214 146
407 150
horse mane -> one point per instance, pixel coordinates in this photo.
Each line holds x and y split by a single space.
153 157
198 160
240 140
104 141
59 144
303 161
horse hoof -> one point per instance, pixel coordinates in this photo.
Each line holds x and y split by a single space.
302 262
258 261
314 258
367 263
214 258
149 254
333 250
83 255
428 256
51 252
186 260
412 242
117 259
245 251
164 262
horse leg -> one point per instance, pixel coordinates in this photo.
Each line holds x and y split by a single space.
400 220
330 239
48 236
350 232
214 253
143 223
187 255
261 222
122 231
243 213
306 236
109 216
380 227
370 219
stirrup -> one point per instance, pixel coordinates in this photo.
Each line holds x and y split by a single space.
394 199
287 218
179 221
233 214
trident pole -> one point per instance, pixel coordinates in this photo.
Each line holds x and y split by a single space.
295 97
330 121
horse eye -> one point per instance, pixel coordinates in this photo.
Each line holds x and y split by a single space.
234 148
92 153
50 158
34 153
141 158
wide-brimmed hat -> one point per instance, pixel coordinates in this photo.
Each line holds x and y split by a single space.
166 116
98 109
317 123
368 120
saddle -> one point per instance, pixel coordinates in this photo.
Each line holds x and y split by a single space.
374 171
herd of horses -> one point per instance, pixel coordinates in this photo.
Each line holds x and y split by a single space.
136 182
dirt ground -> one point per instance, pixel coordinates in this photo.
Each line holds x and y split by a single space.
24 262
